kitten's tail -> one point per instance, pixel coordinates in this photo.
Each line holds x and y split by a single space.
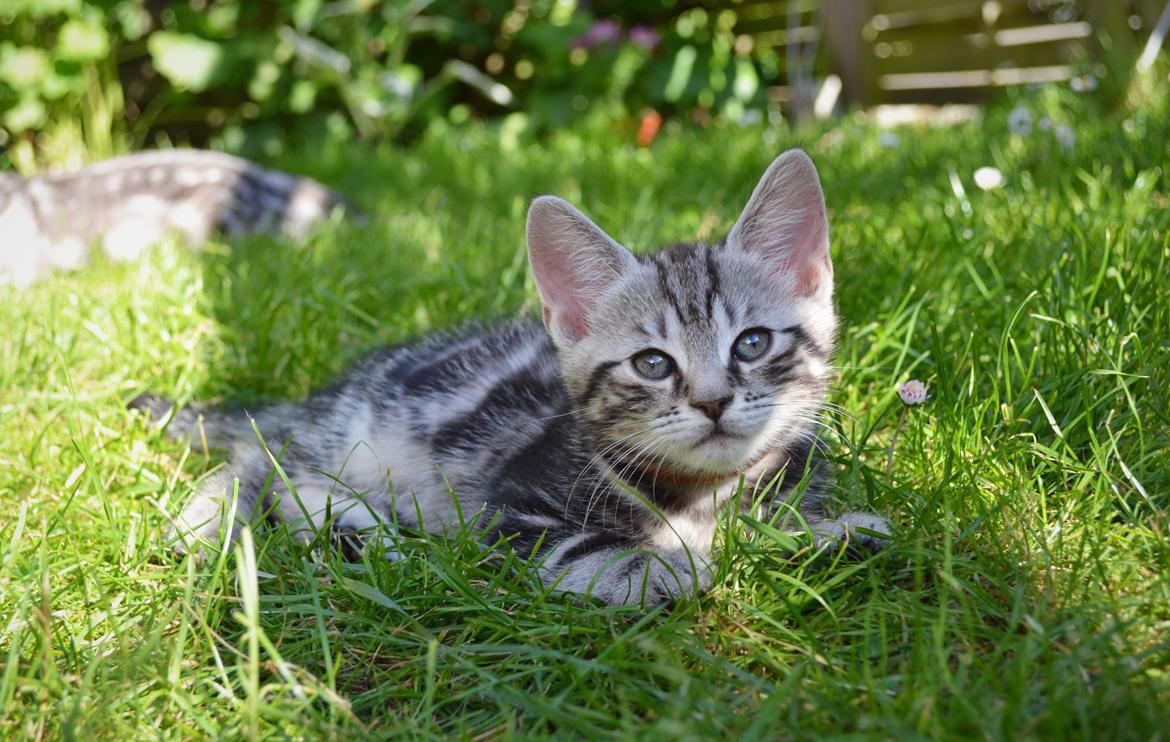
202 426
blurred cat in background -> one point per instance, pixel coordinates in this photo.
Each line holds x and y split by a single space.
52 221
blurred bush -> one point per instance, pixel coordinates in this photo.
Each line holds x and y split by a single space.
81 79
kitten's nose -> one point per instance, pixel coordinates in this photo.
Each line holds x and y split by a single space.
713 408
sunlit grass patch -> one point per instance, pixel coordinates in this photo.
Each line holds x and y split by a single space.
1025 592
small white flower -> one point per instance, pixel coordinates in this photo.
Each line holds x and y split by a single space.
1083 84
889 139
750 117
1066 136
1045 124
1020 121
988 178
913 392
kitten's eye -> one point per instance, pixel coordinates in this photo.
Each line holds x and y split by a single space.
653 364
751 344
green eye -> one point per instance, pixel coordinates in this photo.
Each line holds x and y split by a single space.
751 344
653 364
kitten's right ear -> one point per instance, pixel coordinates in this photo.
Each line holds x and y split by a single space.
785 223
573 262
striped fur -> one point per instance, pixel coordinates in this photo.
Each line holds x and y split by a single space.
615 480
129 203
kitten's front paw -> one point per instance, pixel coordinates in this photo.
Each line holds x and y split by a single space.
641 578
199 527
675 575
858 531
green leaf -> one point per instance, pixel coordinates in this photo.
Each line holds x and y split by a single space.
189 62
64 78
747 81
132 19
42 8
372 594
23 67
680 73
82 42
302 96
28 114
223 20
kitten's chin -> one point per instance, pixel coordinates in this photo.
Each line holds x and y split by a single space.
719 454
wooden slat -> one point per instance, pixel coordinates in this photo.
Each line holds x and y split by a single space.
1012 18
966 54
928 8
780 36
804 6
1042 33
748 24
918 35
987 78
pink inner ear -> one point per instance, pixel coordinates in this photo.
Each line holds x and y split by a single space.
570 316
803 254
809 256
573 263
562 305
808 280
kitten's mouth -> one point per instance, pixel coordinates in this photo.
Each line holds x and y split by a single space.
717 435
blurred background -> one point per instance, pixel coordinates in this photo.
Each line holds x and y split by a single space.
82 80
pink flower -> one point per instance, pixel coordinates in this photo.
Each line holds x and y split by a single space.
601 32
913 392
644 37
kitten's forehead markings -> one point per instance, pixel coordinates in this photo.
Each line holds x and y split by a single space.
665 288
713 290
730 313
660 323
688 279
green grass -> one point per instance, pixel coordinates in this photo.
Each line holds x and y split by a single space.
1025 595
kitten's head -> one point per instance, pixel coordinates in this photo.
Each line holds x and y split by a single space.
703 357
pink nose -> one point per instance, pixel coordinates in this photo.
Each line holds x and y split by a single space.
713 408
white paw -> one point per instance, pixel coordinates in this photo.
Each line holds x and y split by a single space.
204 522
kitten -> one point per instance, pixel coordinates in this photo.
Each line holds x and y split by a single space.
606 440
129 203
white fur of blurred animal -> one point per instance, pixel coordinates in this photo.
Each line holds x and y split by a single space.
52 221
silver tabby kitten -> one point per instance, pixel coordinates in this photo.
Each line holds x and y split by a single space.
607 440
129 203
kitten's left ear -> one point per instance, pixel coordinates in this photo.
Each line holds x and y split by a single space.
573 262
785 223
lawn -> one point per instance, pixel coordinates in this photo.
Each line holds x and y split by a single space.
1026 592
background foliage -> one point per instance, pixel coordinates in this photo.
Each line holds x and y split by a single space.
122 74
